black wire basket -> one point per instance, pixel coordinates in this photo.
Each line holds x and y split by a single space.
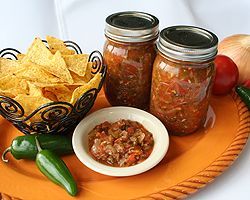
54 117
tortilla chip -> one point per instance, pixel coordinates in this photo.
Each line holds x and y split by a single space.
13 86
78 80
79 91
8 93
81 80
34 90
49 95
39 54
7 66
33 72
61 92
30 103
77 63
20 56
59 68
58 45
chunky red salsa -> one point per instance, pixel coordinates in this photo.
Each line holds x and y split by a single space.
128 79
120 144
180 93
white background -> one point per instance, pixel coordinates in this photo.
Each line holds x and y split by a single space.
83 21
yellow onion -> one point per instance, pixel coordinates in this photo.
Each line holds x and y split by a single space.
237 47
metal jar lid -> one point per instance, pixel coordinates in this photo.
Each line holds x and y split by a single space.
188 43
132 26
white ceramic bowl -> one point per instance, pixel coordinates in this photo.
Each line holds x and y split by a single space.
112 114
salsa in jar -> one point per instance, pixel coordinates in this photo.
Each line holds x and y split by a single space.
129 53
120 144
183 73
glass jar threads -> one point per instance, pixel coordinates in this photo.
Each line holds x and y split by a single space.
183 72
129 53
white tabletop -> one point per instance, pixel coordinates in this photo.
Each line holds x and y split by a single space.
83 21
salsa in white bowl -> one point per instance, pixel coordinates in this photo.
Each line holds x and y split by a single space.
153 134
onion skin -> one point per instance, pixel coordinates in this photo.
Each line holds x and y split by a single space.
237 47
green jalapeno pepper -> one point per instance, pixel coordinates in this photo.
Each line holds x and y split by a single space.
24 147
244 93
55 169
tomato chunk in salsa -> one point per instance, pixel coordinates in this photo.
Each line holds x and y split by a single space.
120 144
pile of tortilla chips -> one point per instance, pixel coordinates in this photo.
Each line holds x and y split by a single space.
43 75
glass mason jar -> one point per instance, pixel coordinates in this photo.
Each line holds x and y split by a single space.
129 53
183 73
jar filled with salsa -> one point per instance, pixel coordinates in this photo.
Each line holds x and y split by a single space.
129 53
183 72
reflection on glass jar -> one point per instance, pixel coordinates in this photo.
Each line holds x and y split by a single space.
181 82
129 53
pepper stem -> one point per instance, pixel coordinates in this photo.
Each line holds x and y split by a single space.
38 144
4 154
